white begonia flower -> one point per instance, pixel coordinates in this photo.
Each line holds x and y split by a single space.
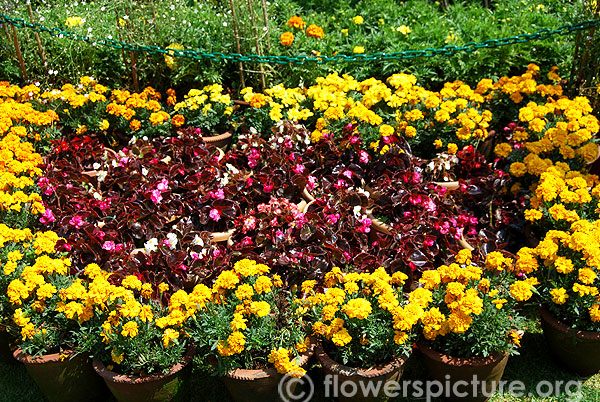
151 245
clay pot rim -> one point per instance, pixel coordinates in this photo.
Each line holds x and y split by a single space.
216 138
24 358
474 361
251 375
376 371
113 377
549 318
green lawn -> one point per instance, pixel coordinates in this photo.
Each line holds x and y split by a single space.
531 367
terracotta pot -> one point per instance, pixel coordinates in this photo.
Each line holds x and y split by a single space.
155 387
579 351
6 354
220 141
65 379
448 370
373 380
262 385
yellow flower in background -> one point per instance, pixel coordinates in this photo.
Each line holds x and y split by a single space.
403 29
169 59
104 125
358 20
130 329
345 32
73 22
286 38
358 49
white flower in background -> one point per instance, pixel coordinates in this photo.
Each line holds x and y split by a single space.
151 245
102 175
97 195
96 166
144 171
357 211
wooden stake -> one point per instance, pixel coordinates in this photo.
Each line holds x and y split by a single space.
237 42
134 74
19 54
257 42
120 37
266 18
37 36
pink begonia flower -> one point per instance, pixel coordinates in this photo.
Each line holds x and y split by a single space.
333 218
364 157
214 214
76 221
249 224
365 225
340 184
429 205
312 182
156 196
47 216
109 245
299 169
217 253
163 185
246 241
104 205
217 195
347 173
428 243
194 255
253 158
268 188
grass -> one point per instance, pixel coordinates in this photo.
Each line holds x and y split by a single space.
531 367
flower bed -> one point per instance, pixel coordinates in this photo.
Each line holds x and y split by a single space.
129 260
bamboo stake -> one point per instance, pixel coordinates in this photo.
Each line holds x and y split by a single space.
19 54
237 42
257 42
120 37
37 36
266 18
134 74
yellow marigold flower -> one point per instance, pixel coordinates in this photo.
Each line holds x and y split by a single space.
236 342
521 290
307 286
584 290
168 336
430 279
277 282
559 296
464 256
132 282
517 169
163 287
420 297
587 276
438 144
459 322
399 278
452 148
135 125
226 280
260 308
286 38
116 356
503 150
403 29
244 291
263 284
358 49
400 337
533 215
385 130
358 20
357 308
104 125
178 120
130 329
341 337
595 310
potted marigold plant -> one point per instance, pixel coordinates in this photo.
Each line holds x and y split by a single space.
365 328
567 264
253 332
470 326
52 317
142 347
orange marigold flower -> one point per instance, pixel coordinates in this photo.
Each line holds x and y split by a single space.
178 120
315 31
287 38
296 22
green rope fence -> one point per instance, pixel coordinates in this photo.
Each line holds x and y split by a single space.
448 50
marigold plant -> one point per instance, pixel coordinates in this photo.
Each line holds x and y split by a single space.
249 322
469 309
362 319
